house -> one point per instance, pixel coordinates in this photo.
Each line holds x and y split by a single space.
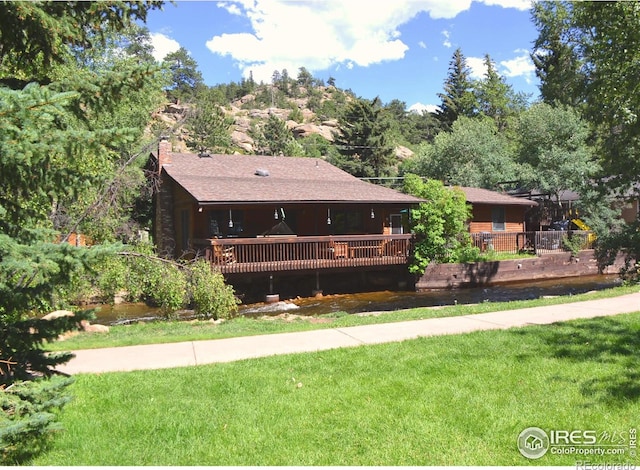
263 217
498 220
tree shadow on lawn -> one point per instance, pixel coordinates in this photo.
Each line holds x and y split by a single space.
614 341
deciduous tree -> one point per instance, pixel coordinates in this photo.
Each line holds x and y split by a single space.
439 224
474 153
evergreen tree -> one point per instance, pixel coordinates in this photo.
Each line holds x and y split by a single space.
496 99
208 127
420 127
305 79
363 140
458 98
555 53
274 138
36 35
50 149
284 82
186 79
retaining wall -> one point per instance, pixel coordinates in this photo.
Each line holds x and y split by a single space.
548 266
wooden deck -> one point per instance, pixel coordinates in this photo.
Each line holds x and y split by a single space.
291 253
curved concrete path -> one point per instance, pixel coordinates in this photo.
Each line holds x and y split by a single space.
158 356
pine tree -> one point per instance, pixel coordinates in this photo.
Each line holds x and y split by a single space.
363 140
208 127
458 98
555 53
51 143
185 76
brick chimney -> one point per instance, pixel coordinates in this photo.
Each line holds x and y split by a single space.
164 152
163 223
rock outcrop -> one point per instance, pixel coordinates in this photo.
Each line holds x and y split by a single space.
245 112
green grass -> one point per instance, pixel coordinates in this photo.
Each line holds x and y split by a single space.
451 400
175 331
502 256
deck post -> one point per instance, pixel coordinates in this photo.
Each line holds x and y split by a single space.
271 297
317 292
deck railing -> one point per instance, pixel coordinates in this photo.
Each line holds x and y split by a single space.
291 253
288 253
535 242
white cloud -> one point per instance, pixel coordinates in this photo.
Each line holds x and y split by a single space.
163 45
446 42
519 66
422 44
477 67
420 108
522 5
321 34
231 8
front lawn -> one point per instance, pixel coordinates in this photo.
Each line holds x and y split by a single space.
451 400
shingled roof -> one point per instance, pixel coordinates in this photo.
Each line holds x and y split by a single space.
231 179
485 196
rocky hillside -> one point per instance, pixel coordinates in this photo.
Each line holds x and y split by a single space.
246 111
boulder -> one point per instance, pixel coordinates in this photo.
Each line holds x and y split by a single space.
242 140
89 328
58 314
403 153
305 130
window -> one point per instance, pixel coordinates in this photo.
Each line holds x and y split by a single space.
498 219
396 223
347 222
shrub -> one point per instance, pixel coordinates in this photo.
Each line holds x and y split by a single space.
573 243
112 277
439 224
211 297
168 288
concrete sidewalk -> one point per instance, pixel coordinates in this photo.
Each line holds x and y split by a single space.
158 356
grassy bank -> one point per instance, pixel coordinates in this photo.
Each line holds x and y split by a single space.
174 331
455 400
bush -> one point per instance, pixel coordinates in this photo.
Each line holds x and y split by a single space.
439 225
167 284
211 297
168 288
573 243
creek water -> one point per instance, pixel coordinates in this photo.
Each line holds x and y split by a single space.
382 300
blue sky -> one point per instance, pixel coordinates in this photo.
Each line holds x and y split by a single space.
399 49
